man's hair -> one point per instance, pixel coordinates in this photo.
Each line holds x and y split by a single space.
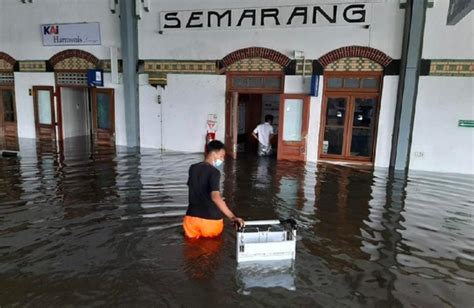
215 146
268 118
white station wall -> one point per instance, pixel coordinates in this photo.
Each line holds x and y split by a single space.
438 143
384 33
447 42
20 34
181 118
388 104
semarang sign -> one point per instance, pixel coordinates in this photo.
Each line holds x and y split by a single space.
267 17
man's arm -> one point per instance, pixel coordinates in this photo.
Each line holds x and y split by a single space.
254 133
217 199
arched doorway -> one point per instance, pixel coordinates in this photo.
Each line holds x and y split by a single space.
255 83
8 113
351 103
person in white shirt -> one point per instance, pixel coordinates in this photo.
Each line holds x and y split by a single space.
263 133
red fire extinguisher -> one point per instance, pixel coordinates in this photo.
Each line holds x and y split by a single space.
210 136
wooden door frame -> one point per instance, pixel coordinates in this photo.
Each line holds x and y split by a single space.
351 93
93 92
15 113
304 125
54 121
230 89
59 109
231 127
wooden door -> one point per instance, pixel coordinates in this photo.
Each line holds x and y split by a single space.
45 114
293 126
349 127
8 120
103 118
232 123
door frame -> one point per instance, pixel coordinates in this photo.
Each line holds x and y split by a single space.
54 120
15 113
350 93
304 125
228 96
94 125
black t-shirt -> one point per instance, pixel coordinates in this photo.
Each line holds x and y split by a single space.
203 179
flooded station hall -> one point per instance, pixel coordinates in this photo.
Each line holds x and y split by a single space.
106 230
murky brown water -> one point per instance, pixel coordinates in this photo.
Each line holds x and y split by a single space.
106 232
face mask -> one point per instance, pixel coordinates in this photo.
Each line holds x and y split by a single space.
218 162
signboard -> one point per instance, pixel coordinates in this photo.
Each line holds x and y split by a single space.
267 17
458 9
466 123
95 78
87 33
314 85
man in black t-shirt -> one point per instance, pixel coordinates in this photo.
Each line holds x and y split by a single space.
206 210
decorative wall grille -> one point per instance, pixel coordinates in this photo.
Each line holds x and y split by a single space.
7 78
71 79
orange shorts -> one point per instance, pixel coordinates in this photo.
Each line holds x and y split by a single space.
195 227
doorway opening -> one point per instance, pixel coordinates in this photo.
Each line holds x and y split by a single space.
252 109
76 119
250 96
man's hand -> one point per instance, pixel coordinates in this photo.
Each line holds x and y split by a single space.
239 222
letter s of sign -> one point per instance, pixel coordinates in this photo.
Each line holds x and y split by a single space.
173 17
355 9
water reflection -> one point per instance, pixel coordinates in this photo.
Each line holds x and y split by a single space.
105 229
266 274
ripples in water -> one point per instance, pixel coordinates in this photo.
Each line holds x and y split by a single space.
106 230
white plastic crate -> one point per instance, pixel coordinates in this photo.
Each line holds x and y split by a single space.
266 240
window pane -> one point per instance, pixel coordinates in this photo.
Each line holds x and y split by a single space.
333 140
370 83
335 82
336 111
255 82
293 118
44 107
103 111
272 83
364 112
351 83
240 82
362 131
361 144
8 107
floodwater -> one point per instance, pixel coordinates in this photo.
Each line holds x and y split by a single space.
105 231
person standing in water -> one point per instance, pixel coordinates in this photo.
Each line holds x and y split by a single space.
263 133
206 209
